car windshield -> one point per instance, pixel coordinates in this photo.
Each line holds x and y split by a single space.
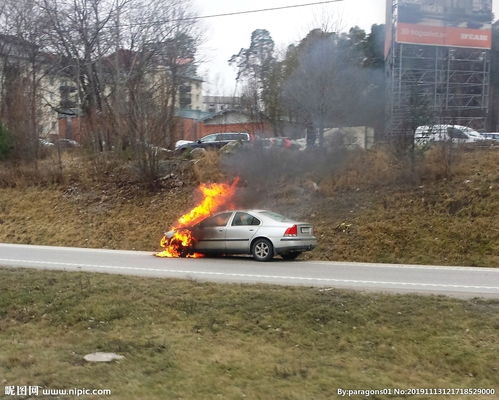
275 216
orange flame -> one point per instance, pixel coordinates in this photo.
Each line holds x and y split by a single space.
216 196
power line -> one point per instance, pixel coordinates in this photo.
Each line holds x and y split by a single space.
262 10
235 13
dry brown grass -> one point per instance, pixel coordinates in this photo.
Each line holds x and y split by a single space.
25 175
441 161
207 167
81 218
450 221
377 167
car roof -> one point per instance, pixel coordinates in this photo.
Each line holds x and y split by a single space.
242 210
228 133
259 212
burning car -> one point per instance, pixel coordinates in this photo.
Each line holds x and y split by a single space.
263 234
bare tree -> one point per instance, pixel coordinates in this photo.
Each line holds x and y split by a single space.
162 42
125 59
25 67
325 85
80 31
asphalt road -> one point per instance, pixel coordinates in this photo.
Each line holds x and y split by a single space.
462 282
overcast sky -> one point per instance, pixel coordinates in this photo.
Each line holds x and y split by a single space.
225 36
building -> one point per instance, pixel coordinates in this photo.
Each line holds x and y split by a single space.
189 124
216 104
25 74
58 111
237 121
194 124
190 96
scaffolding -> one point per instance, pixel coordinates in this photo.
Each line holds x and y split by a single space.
436 85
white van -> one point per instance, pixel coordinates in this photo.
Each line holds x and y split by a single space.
443 133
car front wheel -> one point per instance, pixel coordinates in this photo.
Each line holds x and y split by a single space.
262 250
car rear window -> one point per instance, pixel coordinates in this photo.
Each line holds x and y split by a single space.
244 219
275 216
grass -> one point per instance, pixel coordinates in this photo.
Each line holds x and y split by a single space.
444 221
362 210
191 340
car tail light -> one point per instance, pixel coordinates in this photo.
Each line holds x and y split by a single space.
292 231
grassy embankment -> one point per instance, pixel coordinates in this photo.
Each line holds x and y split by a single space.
363 210
190 340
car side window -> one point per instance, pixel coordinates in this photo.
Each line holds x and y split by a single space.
209 138
456 134
244 219
216 220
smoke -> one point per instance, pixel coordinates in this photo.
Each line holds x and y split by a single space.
277 179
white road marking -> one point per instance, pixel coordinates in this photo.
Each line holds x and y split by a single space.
114 267
330 263
405 266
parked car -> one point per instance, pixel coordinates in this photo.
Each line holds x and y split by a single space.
279 143
263 234
214 141
491 136
45 143
443 133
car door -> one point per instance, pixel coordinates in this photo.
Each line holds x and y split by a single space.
210 233
240 232
456 135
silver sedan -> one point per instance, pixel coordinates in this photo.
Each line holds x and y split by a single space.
264 234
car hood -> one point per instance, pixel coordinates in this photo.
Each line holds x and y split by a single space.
182 142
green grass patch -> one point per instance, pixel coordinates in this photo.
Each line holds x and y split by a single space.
191 340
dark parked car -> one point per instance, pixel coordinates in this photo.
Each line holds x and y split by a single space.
212 141
67 143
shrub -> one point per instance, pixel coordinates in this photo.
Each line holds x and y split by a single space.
207 167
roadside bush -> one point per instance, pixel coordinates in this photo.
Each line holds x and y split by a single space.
361 169
369 168
207 167
439 161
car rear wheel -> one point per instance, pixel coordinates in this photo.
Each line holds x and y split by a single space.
291 256
262 250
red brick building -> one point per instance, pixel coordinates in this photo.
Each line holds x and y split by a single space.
192 125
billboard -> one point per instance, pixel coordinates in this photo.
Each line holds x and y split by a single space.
455 23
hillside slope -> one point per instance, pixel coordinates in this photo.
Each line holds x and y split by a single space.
358 216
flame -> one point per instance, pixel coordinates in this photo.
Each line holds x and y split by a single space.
216 196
